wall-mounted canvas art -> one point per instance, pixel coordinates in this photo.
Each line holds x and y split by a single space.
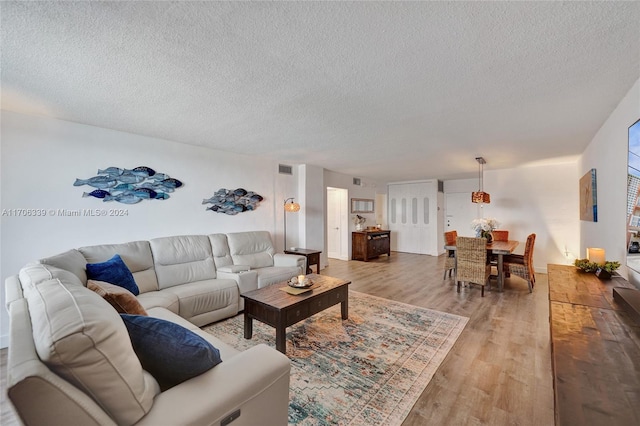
588 197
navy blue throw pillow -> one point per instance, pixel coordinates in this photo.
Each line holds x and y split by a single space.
168 351
113 271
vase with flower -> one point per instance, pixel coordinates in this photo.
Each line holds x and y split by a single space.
484 227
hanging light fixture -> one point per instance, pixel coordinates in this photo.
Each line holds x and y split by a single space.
480 196
289 207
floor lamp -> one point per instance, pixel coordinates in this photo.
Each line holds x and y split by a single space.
289 207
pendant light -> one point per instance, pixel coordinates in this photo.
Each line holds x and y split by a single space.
480 196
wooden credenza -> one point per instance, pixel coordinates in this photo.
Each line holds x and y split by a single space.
595 351
366 245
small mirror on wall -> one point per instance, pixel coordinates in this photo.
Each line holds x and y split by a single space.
361 205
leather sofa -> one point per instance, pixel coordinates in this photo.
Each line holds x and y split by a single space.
71 360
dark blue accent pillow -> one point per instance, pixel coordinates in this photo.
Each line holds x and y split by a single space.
113 271
168 351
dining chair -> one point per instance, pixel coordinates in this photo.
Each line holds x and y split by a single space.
450 261
500 235
522 265
472 266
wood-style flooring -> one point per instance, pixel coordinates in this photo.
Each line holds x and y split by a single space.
498 372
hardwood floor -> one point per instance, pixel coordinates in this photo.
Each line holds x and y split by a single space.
498 372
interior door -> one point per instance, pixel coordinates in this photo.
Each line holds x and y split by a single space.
337 227
459 212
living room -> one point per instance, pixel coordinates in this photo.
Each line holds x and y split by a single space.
45 148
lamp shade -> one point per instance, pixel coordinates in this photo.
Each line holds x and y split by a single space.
291 207
480 197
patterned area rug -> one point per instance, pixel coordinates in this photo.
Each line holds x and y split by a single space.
367 370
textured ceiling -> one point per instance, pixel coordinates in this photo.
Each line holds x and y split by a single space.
385 90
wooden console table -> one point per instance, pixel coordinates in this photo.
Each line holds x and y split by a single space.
369 244
595 351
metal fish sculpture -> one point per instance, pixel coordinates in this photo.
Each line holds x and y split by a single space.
100 182
171 183
123 198
232 202
111 171
142 171
130 178
98 193
123 187
130 186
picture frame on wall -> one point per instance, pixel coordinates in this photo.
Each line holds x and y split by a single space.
588 197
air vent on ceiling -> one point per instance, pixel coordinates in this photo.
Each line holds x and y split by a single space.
284 169
357 181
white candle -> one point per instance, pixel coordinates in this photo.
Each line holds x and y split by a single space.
596 255
301 279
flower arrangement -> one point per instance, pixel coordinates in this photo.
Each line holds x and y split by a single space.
484 225
359 221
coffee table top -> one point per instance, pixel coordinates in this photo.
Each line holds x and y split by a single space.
277 298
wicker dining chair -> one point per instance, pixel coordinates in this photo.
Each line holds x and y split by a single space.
472 266
450 261
522 265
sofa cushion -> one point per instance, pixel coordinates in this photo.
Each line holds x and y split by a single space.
170 352
113 271
251 248
82 338
35 273
136 255
71 260
120 298
182 259
160 299
205 296
220 250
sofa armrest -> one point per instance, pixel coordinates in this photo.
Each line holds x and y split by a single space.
280 259
255 381
246 280
234 268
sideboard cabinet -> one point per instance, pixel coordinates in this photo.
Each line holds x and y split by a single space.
366 245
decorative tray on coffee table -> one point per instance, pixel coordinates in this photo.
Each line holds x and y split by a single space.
307 284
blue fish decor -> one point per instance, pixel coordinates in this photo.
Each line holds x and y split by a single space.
129 186
233 201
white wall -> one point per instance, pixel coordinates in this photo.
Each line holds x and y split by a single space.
607 153
41 158
539 198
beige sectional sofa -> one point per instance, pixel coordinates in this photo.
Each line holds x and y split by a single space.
71 360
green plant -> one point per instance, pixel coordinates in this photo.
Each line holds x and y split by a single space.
611 266
586 265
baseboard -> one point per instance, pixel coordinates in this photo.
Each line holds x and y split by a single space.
4 341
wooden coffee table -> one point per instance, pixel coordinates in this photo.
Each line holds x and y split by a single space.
279 309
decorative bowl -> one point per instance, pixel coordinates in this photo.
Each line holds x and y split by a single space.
295 284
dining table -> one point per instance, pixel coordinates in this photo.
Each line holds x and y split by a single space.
499 248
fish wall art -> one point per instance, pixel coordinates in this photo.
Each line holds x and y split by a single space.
233 201
129 186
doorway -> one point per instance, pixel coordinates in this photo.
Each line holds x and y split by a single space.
337 223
